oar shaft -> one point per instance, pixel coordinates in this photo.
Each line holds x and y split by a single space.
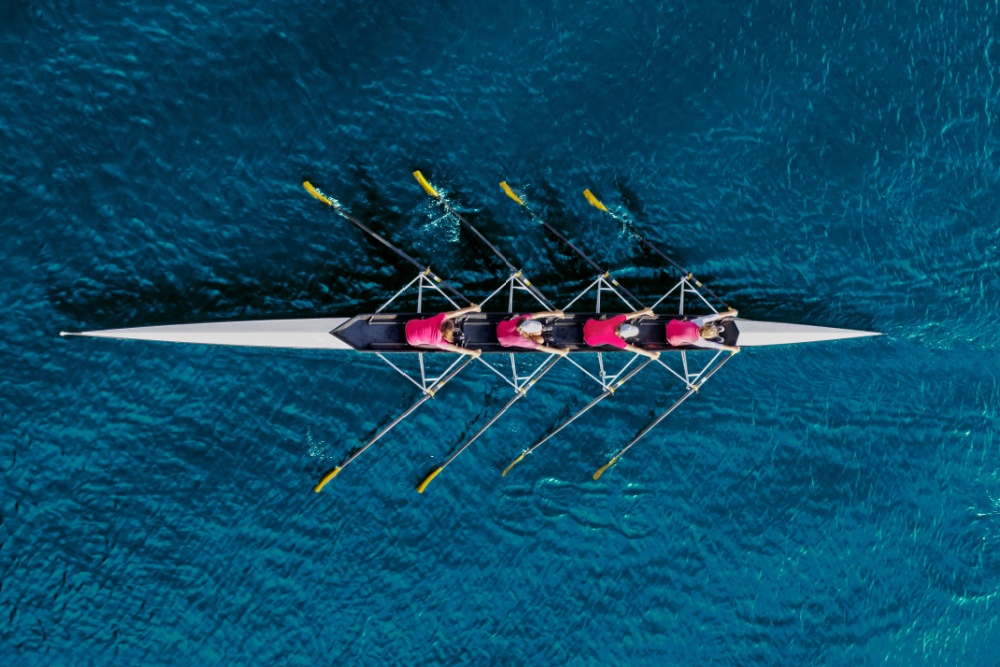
653 424
596 203
381 239
662 255
443 203
592 263
518 396
569 421
673 407
436 387
395 422
598 399
562 237
527 283
490 423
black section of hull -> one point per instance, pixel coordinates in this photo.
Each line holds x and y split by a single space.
387 333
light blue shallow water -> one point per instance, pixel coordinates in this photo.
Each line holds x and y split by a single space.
833 164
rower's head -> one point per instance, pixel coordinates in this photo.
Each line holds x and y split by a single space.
530 328
627 331
709 331
448 331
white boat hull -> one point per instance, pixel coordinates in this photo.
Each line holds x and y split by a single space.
310 334
757 334
314 334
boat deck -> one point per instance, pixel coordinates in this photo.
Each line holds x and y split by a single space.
387 333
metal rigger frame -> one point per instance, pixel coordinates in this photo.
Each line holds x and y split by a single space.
692 379
517 281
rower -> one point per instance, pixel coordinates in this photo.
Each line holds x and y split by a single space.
526 331
701 331
439 331
614 330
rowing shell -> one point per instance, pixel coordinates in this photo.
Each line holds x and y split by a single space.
386 333
383 333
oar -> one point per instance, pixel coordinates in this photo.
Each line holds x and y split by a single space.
652 425
596 203
607 392
521 393
428 394
597 267
335 205
443 203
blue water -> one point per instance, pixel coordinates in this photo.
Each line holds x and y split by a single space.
834 164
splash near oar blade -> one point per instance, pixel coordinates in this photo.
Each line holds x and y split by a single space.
594 201
510 193
316 193
326 478
429 479
425 185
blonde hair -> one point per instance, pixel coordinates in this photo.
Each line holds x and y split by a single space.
709 331
448 331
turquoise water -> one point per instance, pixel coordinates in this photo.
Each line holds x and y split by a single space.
833 164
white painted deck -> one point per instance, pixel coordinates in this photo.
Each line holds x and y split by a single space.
310 334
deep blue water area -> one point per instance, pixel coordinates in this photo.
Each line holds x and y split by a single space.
829 163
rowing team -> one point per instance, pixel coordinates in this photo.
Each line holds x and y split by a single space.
526 331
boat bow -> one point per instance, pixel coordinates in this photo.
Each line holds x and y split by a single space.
755 334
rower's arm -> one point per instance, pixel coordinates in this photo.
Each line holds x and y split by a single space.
712 345
548 313
705 319
460 350
639 350
638 313
464 311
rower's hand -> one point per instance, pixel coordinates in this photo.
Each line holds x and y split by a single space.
653 355
733 312
475 308
563 352
560 314
734 350
647 311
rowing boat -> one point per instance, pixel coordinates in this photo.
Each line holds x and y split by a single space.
383 333
386 333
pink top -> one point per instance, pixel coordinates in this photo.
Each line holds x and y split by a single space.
426 331
680 332
602 332
509 336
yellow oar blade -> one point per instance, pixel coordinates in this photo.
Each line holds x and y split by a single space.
330 475
316 193
510 193
429 479
594 201
600 471
514 463
425 185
